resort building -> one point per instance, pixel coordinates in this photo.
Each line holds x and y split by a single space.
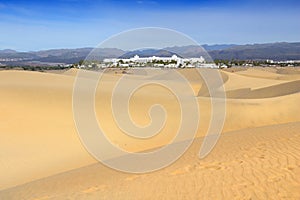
163 62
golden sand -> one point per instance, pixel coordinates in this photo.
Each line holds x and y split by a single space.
257 156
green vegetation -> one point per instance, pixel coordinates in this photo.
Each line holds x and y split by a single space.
250 63
35 68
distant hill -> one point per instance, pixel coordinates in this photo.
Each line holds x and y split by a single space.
7 51
274 51
17 55
63 56
75 55
187 51
148 53
217 46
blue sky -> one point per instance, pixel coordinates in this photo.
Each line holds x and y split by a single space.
34 25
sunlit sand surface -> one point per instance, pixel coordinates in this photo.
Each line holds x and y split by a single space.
256 157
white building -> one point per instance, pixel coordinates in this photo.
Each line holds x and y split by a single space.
173 61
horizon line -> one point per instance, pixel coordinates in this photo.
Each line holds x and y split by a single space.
83 47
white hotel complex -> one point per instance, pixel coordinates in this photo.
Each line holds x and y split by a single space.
164 62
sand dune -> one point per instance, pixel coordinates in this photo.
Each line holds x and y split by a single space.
38 139
272 73
237 81
257 163
36 122
266 92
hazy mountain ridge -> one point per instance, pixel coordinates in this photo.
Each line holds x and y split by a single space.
217 46
149 52
8 51
63 56
275 51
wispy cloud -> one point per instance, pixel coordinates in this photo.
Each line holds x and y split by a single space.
65 23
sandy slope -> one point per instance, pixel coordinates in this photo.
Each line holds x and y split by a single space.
272 73
37 134
38 139
257 163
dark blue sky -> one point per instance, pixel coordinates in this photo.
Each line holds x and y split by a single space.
34 25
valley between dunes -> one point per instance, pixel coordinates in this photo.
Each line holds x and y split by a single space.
256 157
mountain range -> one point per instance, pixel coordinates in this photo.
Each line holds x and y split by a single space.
274 51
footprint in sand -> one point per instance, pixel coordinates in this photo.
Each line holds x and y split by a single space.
291 168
